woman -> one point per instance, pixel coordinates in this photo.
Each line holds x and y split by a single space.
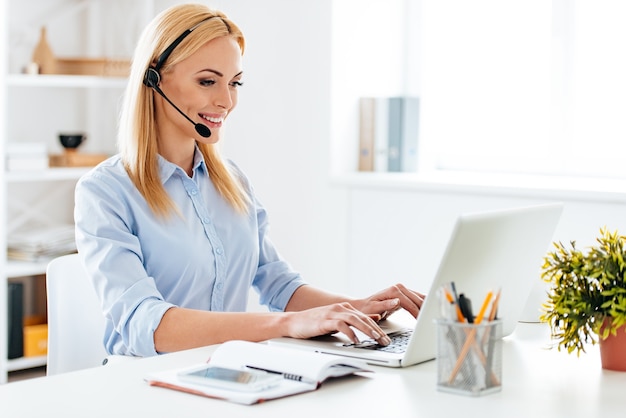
172 235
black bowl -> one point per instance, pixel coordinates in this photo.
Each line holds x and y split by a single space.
72 140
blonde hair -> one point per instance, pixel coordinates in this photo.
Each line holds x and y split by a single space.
137 133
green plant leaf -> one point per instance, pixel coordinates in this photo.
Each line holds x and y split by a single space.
585 287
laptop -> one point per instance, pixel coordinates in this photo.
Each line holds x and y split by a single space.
496 250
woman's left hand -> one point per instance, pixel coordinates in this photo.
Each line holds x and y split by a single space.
389 300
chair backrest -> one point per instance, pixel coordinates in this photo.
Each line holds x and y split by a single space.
75 321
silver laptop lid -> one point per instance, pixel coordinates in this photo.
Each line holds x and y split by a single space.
495 250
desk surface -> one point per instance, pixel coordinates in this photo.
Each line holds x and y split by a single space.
536 382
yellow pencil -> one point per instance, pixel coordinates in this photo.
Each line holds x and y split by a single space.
483 308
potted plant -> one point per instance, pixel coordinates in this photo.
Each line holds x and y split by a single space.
587 297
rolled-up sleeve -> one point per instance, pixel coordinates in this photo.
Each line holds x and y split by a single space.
113 259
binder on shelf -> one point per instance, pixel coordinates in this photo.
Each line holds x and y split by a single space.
388 133
382 120
394 129
409 121
15 320
367 116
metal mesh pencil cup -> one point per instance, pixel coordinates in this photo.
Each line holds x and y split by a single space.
469 357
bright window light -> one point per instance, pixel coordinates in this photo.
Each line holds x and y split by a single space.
525 86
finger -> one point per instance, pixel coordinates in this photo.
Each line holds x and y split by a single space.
409 300
368 326
344 318
385 307
345 329
376 317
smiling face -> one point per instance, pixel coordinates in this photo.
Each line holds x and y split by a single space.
204 87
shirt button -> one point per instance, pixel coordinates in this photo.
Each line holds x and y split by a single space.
219 251
219 286
193 192
206 220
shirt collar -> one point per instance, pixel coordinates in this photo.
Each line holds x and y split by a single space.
167 169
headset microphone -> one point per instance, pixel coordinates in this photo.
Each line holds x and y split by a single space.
151 79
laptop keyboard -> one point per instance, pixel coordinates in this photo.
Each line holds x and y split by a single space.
399 342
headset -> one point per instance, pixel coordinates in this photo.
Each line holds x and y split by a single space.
152 77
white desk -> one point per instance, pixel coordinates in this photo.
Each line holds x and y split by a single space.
536 382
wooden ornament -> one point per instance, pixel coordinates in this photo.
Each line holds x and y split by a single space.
43 56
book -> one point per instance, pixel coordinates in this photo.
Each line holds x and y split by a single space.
15 320
410 133
373 133
367 117
40 243
403 125
22 156
301 371
394 133
381 122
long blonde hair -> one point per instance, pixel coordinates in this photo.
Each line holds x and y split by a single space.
137 132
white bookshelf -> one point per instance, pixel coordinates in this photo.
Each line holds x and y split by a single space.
36 108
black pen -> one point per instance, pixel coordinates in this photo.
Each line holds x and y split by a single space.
288 376
466 308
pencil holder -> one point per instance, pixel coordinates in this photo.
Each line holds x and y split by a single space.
469 357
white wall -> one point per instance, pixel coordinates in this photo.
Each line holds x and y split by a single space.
280 132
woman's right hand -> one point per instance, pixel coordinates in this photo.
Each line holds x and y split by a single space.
338 317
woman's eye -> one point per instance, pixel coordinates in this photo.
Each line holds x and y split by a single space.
236 83
207 82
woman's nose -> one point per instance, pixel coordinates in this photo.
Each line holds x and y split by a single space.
224 98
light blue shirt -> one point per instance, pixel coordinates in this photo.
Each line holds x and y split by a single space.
141 265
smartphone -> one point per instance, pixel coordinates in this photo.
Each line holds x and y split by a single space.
233 379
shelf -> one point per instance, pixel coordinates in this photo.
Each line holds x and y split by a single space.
71 101
50 174
26 363
25 268
497 184
78 81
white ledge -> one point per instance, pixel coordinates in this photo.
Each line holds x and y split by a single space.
77 81
495 184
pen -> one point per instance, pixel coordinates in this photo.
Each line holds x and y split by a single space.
494 307
287 376
466 308
450 298
493 312
490 377
454 294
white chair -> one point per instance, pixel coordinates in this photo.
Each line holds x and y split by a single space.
75 321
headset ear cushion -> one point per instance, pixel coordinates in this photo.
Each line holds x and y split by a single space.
152 78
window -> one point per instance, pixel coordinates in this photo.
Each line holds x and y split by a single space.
526 86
